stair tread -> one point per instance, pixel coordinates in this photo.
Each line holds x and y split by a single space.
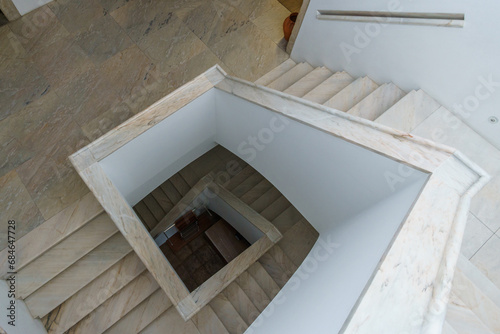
263 201
352 94
64 254
154 207
309 81
478 293
275 73
462 319
82 272
145 215
180 184
94 294
274 270
189 175
118 305
171 320
287 219
242 304
297 242
228 315
258 190
283 260
142 315
329 87
375 104
207 322
265 281
253 290
162 199
409 112
171 192
240 177
247 184
290 77
274 209
51 232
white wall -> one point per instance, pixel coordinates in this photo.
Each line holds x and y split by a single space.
144 163
341 189
322 175
328 283
26 6
235 219
445 62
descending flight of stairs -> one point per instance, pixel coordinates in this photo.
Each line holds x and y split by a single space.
474 306
79 274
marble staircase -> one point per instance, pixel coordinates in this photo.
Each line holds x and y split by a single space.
86 278
475 300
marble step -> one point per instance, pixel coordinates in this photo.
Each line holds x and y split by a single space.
290 77
189 175
352 94
275 208
258 190
154 207
250 182
478 293
274 270
64 254
253 290
287 219
170 321
409 112
283 260
51 232
83 302
241 303
162 199
276 72
463 320
375 104
329 87
298 241
309 81
117 306
228 315
240 177
171 192
263 201
142 315
146 216
265 281
207 322
180 184
447 329
445 128
78 275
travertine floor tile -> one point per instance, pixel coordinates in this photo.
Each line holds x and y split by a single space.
102 39
16 204
475 235
234 51
142 17
271 22
52 186
129 71
214 20
38 29
487 260
75 14
10 45
21 85
61 61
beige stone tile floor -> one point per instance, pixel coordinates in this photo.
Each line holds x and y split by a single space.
72 70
